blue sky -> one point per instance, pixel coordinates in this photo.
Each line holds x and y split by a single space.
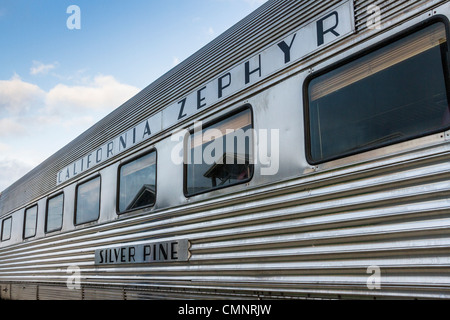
56 82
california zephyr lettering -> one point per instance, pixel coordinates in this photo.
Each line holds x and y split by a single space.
332 26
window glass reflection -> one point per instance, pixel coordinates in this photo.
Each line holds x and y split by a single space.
390 95
30 222
138 183
88 201
221 154
55 213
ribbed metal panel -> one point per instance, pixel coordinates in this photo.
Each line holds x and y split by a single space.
92 293
390 9
264 26
267 24
52 292
310 237
23 292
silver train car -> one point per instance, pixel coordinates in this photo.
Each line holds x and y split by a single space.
303 153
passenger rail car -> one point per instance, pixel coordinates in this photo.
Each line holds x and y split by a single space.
304 153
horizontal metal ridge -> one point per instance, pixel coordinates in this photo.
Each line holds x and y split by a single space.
265 220
329 213
307 197
225 51
389 10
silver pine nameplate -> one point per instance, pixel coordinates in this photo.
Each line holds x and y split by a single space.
170 251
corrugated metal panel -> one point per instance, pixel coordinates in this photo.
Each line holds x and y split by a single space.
314 236
390 9
267 24
55 292
185 293
92 293
23 292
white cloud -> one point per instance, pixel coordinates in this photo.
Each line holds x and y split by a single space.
11 126
21 100
78 122
4 148
35 123
40 68
103 93
17 96
12 170
175 61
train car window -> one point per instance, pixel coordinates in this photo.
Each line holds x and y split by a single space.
6 229
220 155
391 94
30 222
87 207
137 183
55 211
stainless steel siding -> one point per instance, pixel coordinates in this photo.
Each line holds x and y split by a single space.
261 28
267 24
53 292
390 9
24 292
310 237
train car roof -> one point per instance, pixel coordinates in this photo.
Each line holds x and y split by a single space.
262 27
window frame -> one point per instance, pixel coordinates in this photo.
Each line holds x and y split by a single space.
25 221
205 126
360 54
98 176
3 227
137 157
46 212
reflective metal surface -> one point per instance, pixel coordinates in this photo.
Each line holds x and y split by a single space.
305 232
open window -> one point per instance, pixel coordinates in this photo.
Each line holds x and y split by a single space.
393 93
220 155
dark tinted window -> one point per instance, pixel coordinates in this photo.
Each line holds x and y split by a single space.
390 95
137 183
